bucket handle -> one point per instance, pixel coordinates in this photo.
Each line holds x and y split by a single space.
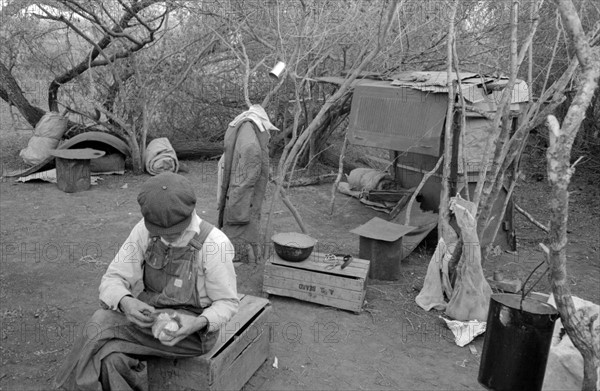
523 292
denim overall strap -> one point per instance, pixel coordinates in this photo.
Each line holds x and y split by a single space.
198 240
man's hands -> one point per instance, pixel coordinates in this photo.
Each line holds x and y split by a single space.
137 311
188 324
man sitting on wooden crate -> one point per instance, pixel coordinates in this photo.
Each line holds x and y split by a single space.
184 268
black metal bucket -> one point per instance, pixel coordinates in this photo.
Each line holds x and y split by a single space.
516 344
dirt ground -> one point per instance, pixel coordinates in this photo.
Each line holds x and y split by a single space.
55 247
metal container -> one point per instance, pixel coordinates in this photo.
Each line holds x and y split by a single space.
277 70
293 246
517 342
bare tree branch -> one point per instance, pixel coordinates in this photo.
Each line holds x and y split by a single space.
532 219
11 92
207 48
413 197
578 324
444 216
338 178
98 47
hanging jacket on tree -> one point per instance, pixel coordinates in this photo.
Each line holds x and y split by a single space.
243 183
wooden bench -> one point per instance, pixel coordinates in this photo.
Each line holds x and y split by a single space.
241 348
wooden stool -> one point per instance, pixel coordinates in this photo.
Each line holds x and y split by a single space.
241 348
73 168
381 243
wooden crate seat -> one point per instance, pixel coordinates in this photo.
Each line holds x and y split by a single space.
241 348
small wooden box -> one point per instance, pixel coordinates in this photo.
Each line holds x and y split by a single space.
241 348
381 242
72 175
312 280
73 168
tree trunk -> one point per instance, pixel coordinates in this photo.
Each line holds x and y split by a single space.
444 216
12 94
337 116
579 325
115 88
499 141
136 155
338 177
193 149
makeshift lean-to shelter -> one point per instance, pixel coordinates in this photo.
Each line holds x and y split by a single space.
406 114
112 162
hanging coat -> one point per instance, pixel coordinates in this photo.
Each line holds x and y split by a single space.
244 182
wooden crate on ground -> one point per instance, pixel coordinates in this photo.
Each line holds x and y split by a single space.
241 348
314 281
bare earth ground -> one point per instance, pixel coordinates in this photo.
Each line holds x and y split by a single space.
55 247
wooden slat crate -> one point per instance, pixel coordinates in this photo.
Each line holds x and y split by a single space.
311 280
241 348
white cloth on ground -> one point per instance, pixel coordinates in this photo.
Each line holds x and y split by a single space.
50 176
465 332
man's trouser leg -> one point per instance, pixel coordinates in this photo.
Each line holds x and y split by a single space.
110 332
122 372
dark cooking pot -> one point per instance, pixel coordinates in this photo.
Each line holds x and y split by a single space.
293 246
517 342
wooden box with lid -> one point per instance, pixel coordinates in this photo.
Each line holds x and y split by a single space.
318 279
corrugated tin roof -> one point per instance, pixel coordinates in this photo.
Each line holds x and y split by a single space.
474 86
411 78
338 80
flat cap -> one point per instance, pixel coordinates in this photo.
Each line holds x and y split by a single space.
167 201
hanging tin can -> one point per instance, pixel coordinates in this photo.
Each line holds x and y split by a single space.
277 70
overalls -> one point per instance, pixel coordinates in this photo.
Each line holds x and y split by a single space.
170 274
108 353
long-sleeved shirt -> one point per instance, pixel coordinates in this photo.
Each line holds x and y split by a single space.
216 282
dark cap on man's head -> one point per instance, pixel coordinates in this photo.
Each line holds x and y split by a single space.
167 201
